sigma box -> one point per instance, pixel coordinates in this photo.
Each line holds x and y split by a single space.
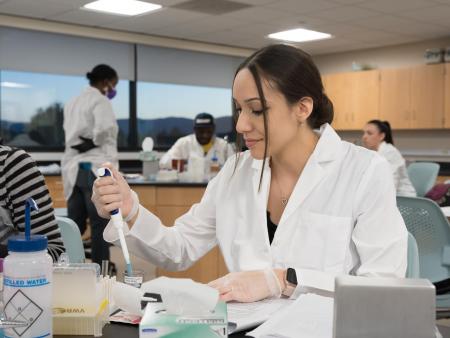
157 323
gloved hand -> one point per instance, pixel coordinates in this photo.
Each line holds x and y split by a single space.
112 192
249 286
86 145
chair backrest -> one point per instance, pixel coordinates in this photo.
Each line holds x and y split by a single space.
413 268
431 230
71 237
423 176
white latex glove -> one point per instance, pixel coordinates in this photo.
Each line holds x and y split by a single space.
248 286
110 193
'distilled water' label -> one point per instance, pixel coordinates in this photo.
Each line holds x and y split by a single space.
25 282
24 302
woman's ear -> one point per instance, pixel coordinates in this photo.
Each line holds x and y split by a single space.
303 109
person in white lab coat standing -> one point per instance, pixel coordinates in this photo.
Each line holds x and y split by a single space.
378 136
203 143
91 129
298 208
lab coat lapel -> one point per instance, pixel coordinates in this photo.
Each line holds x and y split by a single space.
312 174
328 149
261 197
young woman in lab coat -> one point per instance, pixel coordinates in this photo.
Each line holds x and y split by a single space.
299 202
378 136
91 129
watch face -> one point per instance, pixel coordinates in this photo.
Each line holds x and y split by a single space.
291 276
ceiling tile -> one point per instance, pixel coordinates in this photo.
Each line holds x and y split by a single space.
348 2
439 14
256 2
257 14
37 9
164 18
396 6
83 17
345 14
303 6
400 25
199 27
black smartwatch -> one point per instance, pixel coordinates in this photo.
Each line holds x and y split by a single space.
291 276
291 282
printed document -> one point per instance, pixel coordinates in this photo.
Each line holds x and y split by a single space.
309 316
242 316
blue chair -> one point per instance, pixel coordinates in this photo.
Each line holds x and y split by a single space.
71 237
423 176
413 269
426 222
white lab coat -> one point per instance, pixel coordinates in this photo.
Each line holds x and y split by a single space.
188 145
89 115
401 179
341 218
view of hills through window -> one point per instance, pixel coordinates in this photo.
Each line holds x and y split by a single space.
166 111
31 109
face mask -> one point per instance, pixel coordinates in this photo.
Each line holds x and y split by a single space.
111 93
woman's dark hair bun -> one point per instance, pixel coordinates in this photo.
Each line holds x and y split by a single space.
100 73
323 112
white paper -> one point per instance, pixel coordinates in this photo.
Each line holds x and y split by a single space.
309 316
248 315
446 211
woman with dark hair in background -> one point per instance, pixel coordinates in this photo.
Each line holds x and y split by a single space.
91 130
378 136
298 208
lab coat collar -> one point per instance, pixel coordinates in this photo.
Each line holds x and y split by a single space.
382 146
328 148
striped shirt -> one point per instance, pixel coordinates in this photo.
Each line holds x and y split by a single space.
20 179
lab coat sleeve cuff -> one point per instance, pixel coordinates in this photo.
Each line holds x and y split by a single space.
313 281
110 233
134 208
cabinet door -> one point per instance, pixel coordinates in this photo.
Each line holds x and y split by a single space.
172 202
364 91
427 96
395 97
447 96
336 87
56 190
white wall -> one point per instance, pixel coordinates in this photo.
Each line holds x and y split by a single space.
420 144
386 57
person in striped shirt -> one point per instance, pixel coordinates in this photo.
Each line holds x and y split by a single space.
19 179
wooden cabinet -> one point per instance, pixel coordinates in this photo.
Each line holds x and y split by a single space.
355 98
395 97
169 203
55 187
413 98
427 96
447 96
409 98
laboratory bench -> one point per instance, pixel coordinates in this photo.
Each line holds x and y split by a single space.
131 331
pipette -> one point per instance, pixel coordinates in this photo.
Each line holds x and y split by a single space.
116 217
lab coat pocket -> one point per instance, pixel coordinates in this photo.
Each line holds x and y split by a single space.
324 241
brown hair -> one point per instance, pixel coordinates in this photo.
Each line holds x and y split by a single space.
293 74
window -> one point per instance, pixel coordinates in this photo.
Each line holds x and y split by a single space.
166 111
31 108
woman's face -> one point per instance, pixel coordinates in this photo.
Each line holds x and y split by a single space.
372 137
282 121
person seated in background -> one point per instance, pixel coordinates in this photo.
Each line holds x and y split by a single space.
202 143
20 179
378 136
